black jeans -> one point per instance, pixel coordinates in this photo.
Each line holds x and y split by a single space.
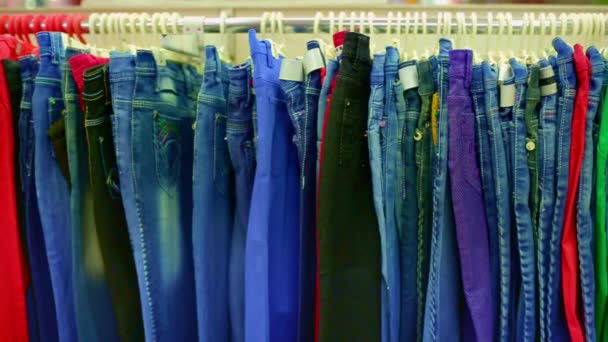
349 243
109 213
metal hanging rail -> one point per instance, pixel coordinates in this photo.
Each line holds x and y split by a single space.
411 22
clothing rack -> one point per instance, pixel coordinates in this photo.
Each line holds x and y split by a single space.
413 22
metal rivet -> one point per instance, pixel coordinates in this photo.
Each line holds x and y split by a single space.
194 125
347 102
530 146
417 136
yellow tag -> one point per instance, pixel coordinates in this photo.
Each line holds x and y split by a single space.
434 117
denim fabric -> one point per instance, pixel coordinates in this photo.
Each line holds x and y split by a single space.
349 244
424 186
212 220
556 324
302 102
583 218
163 110
239 134
526 310
408 110
44 302
110 222
484 152
546 181
374 139
389 136
531 119
94 313
52 189
442 314
330 71
467 200
272 248
498 164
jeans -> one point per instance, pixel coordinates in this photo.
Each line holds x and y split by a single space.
526 310
484 152
44 302
442 318
331 69
467 200
531 115
390 132
374 139
556 323
349 243
110 222
546 181
162 149
94 313
584 217
302 102
498 164
239 133
408 110
52 189
424 187
213 212
272 248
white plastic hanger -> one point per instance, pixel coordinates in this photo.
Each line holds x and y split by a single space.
491 39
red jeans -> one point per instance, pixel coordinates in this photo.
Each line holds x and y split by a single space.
571 287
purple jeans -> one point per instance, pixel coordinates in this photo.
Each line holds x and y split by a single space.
467 200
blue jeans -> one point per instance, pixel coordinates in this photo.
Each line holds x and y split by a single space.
44 315
556 324
442 311
272 250
484 152
302 106
95 318
406 195
374 140
330 71
584 218
546 181
503 202
161 141
239 133
389 136
52 189
212 220
526 312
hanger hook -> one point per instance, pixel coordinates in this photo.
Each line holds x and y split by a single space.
341 18
315 25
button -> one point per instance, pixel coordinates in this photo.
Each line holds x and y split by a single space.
194 126
347 102
417 136
530 146
155 115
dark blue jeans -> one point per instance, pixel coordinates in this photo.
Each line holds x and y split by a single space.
52 188
44 302
162 149
442 311
213 189
556 323
239 134
302 107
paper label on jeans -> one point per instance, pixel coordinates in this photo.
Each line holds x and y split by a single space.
548 89
292 70
507 95
546 72
408 76
313 60
504 72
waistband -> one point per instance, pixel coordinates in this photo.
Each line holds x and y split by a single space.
122 66
377 75
96 93
426 85
391 63
239 80
533 92
29 67
445 46
596 60
581 63
490 80
212 60
51 45
564 51
520 72
356 47
477 85
460 66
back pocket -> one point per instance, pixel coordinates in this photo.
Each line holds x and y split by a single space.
167 151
